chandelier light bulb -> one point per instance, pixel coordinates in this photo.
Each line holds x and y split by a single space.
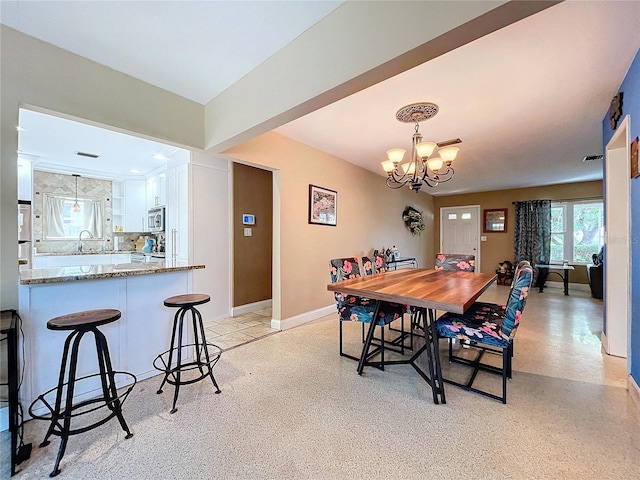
435 163
396 155
388 166
425 149
448 154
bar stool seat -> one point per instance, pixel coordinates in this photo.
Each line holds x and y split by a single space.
64 410
205 354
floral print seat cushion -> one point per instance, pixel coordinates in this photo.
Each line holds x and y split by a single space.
358 309
488 323
455 262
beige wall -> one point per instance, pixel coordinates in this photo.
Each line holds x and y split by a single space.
500 246
369 217
37 74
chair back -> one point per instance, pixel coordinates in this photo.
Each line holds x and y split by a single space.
523 279
342 269
368 266
455 262
372 265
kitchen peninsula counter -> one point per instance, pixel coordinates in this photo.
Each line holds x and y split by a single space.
92 272
138 290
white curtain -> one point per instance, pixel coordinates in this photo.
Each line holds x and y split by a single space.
55 213
93 217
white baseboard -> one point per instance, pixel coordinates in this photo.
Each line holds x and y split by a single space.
303 318
634 390
572 286
250 307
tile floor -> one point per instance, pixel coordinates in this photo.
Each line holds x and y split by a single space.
228 333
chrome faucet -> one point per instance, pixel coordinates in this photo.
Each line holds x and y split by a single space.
80 239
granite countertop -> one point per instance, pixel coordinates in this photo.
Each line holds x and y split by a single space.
107 252
75 252
92 272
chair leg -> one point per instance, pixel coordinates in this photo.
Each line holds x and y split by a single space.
506 372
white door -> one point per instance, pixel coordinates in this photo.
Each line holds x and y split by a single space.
460 231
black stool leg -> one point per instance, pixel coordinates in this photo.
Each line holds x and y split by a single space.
173 340
178 368
204 348
106 373
63 367
66 414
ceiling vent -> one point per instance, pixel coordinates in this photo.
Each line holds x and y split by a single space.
88 155
591 158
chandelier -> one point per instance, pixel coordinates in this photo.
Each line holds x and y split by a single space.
423 166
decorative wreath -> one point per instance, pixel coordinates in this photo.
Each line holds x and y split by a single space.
413 219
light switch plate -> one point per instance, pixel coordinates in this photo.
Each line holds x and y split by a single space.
247 232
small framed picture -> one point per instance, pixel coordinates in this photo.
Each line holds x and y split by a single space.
322 206
495 220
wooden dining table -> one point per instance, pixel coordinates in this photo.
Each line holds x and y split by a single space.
427 291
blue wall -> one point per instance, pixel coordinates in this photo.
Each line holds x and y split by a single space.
631 106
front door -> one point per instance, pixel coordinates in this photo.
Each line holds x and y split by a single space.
460 231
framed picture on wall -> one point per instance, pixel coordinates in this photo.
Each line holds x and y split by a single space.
323 206
495 220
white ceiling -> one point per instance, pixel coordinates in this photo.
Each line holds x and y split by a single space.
527 101
195 49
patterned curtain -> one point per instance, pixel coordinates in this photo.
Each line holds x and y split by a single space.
533 231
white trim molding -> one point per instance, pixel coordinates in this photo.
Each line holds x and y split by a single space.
250 307
303 318
634 390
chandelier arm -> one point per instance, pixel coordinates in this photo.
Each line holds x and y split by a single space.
391 183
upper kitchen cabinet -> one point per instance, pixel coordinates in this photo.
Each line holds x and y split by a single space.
25 179
156 187
135 210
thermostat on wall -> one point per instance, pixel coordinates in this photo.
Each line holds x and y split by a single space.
248 219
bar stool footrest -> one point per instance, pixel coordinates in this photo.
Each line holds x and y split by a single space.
161 362
84 407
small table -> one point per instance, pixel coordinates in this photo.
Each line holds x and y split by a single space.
399 261
544 273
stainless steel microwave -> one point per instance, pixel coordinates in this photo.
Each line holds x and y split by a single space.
156 219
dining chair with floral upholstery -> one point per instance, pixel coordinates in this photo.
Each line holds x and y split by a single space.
371 266
455 262
358 309
489 328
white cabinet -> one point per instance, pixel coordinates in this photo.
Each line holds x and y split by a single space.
53 261
24 179
156 187
135 210
177 214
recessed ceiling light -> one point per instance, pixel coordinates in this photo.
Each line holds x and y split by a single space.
159 156
134 170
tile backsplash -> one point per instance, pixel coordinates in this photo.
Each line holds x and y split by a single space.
63 184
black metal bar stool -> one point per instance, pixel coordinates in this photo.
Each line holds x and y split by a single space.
205 355
64 410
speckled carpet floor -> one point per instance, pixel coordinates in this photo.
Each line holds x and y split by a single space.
292 408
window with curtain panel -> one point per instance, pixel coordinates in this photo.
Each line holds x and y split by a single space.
577 230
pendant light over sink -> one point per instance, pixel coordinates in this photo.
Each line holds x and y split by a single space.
76 206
